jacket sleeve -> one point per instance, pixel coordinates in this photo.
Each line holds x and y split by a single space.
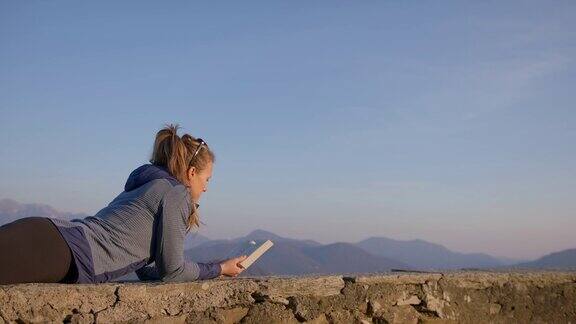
170 235
207 271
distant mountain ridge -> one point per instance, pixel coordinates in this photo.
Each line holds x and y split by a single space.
297 257
565 259
11 210
376 254
427 256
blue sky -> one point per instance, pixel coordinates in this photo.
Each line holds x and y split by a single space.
448 121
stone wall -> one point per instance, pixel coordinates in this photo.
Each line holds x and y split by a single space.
472 297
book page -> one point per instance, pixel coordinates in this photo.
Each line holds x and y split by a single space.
250 249
256 254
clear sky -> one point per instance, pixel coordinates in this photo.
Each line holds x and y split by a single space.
449 121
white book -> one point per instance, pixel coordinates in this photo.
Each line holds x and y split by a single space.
252 250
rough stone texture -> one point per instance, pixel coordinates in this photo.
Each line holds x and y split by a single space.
465 297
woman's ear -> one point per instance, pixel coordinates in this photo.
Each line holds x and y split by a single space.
191 173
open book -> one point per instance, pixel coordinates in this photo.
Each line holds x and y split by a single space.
251 249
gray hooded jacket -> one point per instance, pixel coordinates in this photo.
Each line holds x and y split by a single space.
142 229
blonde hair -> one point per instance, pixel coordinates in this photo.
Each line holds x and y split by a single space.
175 154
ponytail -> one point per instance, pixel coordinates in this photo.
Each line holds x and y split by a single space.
175 153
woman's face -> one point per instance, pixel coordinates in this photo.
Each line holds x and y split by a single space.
198 181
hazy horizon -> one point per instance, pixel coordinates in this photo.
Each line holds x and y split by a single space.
449 122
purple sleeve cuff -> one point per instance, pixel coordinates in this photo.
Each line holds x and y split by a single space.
208 270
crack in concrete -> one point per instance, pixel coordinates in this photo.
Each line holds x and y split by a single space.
116 301
117 294
51 306
94 315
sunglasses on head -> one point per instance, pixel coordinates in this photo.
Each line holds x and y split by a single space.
197 150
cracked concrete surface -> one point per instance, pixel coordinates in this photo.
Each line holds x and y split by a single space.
468 297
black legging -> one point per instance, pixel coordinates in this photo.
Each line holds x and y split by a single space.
33 250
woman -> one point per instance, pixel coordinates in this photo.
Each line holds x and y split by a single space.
142 230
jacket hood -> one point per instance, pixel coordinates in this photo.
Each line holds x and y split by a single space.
147 173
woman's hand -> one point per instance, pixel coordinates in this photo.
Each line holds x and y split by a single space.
232 267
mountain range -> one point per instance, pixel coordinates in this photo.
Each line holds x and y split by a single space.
11 210
425 255
298 257
565 259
